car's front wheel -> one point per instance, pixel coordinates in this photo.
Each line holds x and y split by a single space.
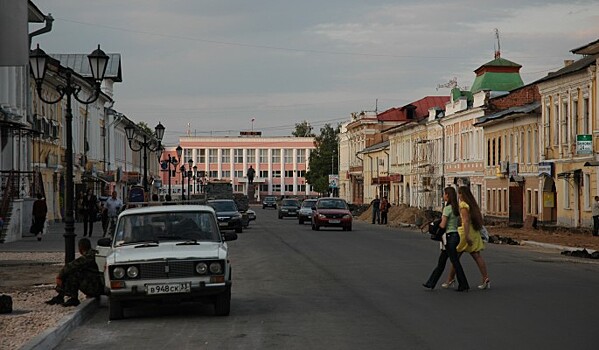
222 304
115 309
239 229
301 221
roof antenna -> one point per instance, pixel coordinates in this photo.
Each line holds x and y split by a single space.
498 48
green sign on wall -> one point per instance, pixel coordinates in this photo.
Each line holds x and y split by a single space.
584 144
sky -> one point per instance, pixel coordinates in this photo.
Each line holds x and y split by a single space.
208 67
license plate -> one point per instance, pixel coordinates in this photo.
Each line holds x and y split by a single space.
334 221
223 224
168 288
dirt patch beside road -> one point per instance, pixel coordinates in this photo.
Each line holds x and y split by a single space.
29 279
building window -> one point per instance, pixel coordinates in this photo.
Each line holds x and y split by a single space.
301 173
574 120
238 188
225 156
276 173
289 173
529 143
288 188
301 188
564 123
586 122
251 156
201 156
264 173
489 209
187 155
535 146
288 156
528 201
213 174
213 155
226 174
536 202
238 156
276 187
300 156
521 147
264 188
263 153
555 123
238 173
276 156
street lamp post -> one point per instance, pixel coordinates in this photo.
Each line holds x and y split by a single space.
189 175
167 164
98 61
145 145
182 182
195 178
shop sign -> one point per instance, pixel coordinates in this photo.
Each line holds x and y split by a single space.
584 144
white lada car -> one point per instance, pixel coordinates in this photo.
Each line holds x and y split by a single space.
172 253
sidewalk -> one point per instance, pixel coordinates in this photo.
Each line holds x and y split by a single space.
27 271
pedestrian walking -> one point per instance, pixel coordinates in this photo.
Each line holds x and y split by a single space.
596 216
90 212
40 209
470 238
384 208
376 214
449 244
81 274
113 207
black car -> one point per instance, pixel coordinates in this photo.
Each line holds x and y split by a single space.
289 208
229 217
269 202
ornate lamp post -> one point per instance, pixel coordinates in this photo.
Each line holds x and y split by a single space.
98 61
189 176
145 145
183 173
166 164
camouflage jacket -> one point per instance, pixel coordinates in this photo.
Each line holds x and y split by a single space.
85 264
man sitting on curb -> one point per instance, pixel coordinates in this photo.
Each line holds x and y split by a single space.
81 274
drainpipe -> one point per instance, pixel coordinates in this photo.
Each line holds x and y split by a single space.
48 19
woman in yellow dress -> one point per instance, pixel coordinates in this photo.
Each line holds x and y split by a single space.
470 238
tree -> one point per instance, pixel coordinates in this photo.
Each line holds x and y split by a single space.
303 129
323 158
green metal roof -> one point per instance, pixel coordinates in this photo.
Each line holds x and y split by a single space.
497 82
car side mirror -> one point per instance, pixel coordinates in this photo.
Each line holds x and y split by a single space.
104 242
230 236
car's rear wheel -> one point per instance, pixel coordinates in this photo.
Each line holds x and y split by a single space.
222 304
349 228
239 229
115 309
301 221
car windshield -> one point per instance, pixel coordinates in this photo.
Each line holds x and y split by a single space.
331 204
290 203
270 199
223 206
167 226
308 204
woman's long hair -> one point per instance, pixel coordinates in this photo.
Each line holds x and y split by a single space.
453 200
475 215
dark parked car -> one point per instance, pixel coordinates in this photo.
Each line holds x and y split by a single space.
269 202
227 214
289 208
331 212
305 212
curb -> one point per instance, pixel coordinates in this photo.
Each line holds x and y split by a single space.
50 338
553 246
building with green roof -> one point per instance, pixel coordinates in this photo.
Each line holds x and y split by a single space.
497 75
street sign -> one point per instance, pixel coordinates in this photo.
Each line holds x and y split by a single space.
333 181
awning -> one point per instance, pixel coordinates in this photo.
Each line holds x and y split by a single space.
516 178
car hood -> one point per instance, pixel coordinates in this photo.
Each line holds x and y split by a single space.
289 207
226 213
333 211
167 250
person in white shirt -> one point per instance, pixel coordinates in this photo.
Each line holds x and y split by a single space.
112 206
596 217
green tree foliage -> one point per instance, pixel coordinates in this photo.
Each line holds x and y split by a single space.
324 159
303 129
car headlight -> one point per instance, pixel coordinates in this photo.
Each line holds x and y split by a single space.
322 216
216 268
201 268
118 273
347 216
132 272
283 209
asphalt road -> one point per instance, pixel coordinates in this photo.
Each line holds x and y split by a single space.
295 288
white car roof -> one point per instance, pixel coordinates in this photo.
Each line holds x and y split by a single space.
166 208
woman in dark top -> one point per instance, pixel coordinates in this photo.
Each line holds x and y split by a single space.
449 221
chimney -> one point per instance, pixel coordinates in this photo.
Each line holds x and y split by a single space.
568 62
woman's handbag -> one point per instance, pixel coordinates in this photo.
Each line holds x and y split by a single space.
435 230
